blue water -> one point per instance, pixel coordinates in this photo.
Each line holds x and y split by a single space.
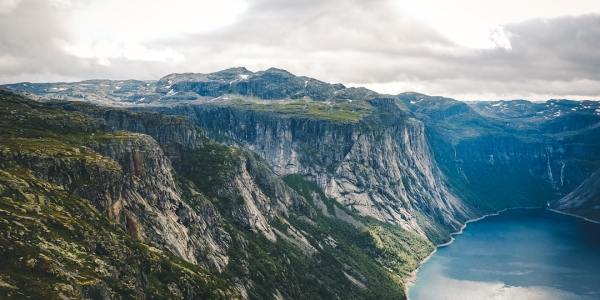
519 254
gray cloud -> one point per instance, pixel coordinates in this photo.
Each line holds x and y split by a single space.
359 42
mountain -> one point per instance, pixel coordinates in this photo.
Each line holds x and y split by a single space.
240 184
104 203
269 84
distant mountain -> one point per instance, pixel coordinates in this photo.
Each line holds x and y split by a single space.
265 184
270 84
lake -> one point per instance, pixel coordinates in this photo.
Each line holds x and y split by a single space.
519 254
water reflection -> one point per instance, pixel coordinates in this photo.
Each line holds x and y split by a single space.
520 254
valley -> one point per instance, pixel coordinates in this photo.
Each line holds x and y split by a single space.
259 185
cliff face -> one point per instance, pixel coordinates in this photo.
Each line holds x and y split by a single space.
151 208
380 167
510 153
255 199
584 200
498 171
102 213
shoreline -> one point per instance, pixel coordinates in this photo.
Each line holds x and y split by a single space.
413 276
573 215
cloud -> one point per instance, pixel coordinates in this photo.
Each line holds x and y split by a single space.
386 45
7 6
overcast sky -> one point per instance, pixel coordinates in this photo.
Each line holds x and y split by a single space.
467 49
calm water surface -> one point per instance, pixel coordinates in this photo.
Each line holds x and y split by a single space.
520 254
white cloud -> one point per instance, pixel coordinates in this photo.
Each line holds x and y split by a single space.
500 38
109 29
470 23
103 51
144 21
7 6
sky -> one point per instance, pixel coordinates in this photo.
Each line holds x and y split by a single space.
465 49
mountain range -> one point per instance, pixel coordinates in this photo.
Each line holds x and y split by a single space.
265 185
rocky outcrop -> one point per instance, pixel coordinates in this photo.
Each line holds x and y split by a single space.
150 205
130 179
264 196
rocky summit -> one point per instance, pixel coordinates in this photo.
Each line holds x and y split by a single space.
264 185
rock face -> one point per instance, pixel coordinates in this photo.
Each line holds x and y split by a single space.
381 167
510 153
584 200
150 195
136 188
103 211
150 207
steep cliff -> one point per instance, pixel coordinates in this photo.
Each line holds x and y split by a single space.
63 181
379 165
511 153
584 200
264 215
